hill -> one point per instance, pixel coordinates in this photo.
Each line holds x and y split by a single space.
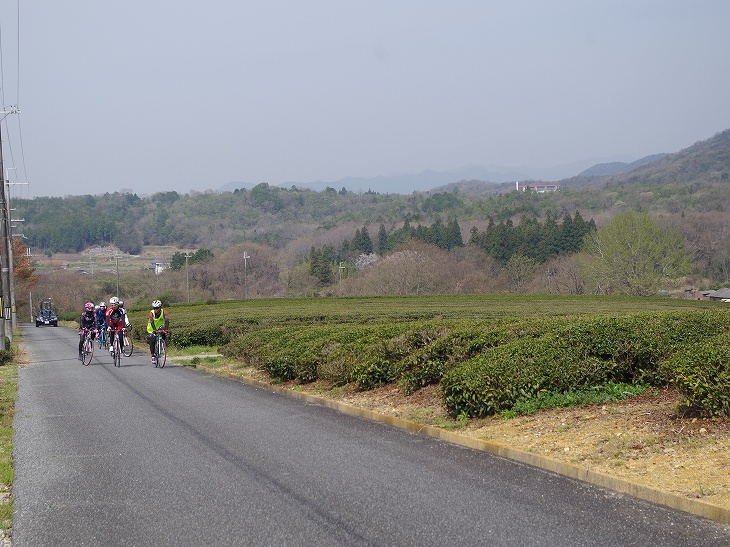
618 167
285 228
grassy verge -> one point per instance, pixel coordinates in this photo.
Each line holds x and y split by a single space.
8 392
196 355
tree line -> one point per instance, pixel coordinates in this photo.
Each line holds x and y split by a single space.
532 239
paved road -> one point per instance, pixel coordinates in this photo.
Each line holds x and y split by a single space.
143 456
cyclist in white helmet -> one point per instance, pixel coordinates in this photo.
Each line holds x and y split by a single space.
157 322
114 323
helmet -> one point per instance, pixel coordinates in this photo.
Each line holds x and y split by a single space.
89 306
113 301
102 304
121 303
156 304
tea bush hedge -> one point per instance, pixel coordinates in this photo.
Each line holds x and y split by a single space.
494 380
485 351
579 352
701 373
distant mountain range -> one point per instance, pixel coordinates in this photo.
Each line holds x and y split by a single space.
428 180
681 166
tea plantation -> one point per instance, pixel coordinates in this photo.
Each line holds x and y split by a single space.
488 353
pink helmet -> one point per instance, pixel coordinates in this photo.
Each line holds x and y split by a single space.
89 306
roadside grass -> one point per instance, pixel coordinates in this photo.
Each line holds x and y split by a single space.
611 392
196 355
8 393
174 351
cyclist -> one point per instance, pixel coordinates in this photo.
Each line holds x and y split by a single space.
114 323
87 322
101 316
157 322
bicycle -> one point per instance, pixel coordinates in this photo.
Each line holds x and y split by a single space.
128 344
117 348
160 350
87 347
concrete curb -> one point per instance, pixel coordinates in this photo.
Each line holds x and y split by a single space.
694 506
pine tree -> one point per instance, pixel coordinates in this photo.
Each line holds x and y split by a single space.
453 235
383 245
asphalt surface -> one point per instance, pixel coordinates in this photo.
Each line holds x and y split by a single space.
143 456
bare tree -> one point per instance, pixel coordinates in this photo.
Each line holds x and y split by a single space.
68 290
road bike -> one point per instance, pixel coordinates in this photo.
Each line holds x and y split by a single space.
128 344
87 346
116 348
160 350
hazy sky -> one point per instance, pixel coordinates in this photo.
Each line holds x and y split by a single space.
158 95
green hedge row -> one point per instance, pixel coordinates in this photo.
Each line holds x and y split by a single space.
701 372
582 352
412 354
483 366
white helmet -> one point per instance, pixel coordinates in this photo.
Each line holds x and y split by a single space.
156 304
113 300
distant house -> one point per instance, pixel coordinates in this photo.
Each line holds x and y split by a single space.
539 188
721 295
158 265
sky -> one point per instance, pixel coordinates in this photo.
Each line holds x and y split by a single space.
151 96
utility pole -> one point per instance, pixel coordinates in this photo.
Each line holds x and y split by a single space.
187 275
5 246
11 259
245 275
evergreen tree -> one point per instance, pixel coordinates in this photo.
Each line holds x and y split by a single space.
528 236
550 244
453 235
383 246
362 242
437 234
569 241
321 265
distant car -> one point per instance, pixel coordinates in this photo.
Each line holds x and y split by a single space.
46 316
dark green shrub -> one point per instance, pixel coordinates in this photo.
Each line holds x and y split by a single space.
639 343
494 380
185 337
280 369
373 373
701 373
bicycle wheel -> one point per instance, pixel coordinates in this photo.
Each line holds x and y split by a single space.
128 345
87 351
161 352
117 351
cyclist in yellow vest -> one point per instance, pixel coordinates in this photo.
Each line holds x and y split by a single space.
157 322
